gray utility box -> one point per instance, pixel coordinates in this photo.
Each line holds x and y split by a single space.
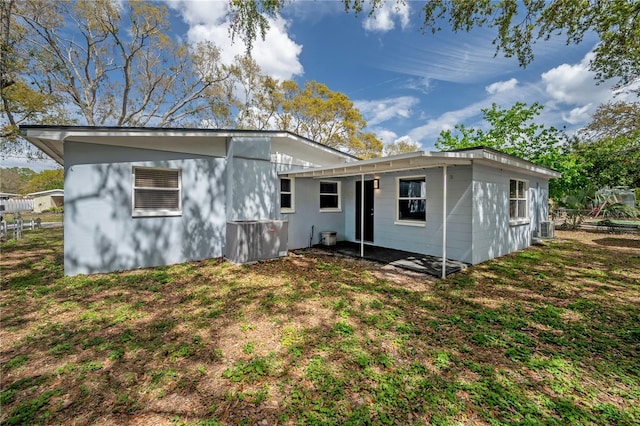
252 240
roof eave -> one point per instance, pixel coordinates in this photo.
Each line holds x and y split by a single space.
423 160
50 139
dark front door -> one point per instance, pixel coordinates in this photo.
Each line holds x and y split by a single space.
368 210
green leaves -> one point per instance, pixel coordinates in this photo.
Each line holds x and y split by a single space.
515 132
518 26
313 110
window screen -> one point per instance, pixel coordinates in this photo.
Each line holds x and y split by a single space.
156 192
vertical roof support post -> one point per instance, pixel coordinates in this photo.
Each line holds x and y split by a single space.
444 220
362 215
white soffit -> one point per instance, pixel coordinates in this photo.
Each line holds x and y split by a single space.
308 151
423 160
192 141
214 146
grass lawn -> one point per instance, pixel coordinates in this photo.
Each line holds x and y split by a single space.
549 335
27 216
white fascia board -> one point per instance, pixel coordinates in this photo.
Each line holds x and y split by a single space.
497 159
51 140
422 160
402 162
52 147
519 165
354 167
48 192
309 151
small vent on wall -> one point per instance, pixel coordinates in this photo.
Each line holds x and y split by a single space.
547 229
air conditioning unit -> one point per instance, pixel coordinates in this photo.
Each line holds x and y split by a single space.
250 241
547 229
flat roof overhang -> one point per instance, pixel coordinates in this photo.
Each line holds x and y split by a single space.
424 160
51 139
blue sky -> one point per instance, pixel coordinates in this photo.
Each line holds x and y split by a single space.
408 85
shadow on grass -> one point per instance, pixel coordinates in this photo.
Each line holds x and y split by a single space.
618 242
546 335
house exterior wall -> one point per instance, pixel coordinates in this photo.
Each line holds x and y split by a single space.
251 180
493 235
426 239
307 215
102 236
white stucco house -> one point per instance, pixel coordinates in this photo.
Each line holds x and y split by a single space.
139 197
46 200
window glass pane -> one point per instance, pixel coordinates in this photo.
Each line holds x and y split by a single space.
328 201
412 210
522 209
513 209
520 189
285 201
512 189
412 188
285 185
328 187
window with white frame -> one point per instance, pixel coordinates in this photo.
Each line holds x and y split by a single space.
287 195
157 192
330 196
411 200
518 200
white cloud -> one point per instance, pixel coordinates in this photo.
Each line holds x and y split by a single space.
385 17
466 58
575 84
569 93
501 86
385 135
381 110
421 84
277 55
578 115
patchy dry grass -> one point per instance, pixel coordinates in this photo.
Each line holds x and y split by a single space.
547 335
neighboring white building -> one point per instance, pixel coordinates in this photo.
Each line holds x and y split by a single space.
46 200
14 203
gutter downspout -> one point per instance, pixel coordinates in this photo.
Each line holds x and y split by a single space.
362 215
444 221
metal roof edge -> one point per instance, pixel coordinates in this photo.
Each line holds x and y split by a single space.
467 156
486 152
48 191
24 130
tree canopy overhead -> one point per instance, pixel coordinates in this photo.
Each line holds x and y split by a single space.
114 61
609 146
614 120
252 100
105 62
518 25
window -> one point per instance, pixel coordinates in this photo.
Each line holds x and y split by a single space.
287 195
156 192
329 196
412 200
518 206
